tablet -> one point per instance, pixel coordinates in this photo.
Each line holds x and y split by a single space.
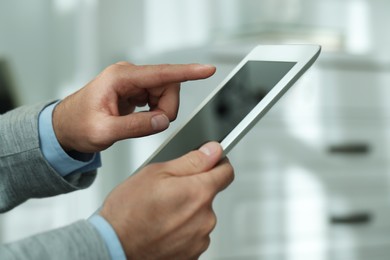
245 96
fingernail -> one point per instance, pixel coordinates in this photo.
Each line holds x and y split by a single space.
160 122
209 148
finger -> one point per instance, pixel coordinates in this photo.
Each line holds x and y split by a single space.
151 76
166 100
124 63
138 124
196 161
219 177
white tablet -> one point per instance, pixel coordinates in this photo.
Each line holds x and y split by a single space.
246 94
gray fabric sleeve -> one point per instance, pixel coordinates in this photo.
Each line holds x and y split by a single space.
24 172
77 241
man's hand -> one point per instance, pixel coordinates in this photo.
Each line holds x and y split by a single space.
165 210
101 113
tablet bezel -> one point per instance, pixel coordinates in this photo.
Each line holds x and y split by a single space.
302 55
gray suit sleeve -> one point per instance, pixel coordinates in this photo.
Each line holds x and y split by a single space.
77 241
24 172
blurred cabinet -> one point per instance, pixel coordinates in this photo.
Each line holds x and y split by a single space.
7 99
312 177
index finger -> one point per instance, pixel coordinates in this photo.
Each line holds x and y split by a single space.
150 76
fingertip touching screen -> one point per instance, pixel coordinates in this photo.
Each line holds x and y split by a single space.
227 108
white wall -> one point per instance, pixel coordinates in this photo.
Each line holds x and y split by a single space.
25 41
55 47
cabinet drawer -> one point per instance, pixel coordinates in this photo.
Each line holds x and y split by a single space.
252 226
324 92
355 88
321 143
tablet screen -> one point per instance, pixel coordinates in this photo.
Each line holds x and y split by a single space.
227 108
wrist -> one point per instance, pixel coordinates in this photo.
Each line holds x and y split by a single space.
63 162
58 126
109 236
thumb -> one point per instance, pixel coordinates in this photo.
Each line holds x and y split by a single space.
201 160
138 124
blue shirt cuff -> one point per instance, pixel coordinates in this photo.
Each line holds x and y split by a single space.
109 236
62 162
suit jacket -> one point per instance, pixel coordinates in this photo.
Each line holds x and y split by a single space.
25 174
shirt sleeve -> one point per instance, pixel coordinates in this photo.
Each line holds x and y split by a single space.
109 236
66 164
61 161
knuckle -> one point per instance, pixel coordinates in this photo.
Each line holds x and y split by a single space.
205 245
211 222
111 70
134 126
164 68
125 63
109 73
155 168
201 246
193 160
229 170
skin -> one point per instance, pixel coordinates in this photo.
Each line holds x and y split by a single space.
106 104
165 210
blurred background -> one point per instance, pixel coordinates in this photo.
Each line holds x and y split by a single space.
312 178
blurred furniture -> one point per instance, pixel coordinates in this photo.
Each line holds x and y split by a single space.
312 177
7 101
